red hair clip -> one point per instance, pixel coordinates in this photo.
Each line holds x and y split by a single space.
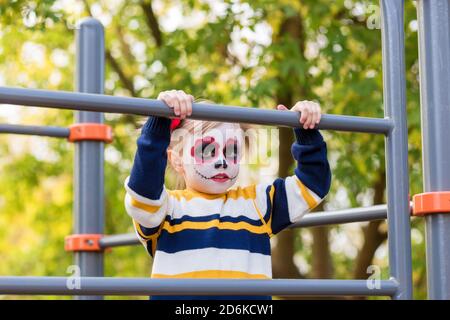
175 124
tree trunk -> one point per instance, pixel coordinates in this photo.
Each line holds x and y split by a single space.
373 237
283 266
322 264
283 252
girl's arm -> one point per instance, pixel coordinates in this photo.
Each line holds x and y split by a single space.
285 201
146 200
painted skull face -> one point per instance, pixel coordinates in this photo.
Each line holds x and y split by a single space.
211 160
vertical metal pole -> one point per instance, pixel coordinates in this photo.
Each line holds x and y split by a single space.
394 87
434 58
88 172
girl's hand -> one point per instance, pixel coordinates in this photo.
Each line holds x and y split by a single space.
310 113
178 100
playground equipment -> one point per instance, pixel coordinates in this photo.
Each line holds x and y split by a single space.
89 135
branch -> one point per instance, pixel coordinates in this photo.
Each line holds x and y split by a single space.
127 53
322 262
373 237
126 81
282 254
152 22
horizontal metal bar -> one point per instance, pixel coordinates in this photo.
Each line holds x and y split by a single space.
378 212
119 240
200 111
47 131
147 286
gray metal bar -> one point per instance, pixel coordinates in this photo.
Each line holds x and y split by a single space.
119 240
202 111
394 88
88 172
434 58
146 286
46 131
378 212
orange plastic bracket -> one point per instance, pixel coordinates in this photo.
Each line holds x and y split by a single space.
90 131
431 202
83 242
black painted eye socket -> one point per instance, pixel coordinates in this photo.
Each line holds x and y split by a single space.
231 151
206 151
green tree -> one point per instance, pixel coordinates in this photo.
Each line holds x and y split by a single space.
253 53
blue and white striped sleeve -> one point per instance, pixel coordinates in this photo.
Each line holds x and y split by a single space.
146 200
285 201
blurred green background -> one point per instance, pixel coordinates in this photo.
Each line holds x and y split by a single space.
252 53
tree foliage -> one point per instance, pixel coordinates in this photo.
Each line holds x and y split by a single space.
231 52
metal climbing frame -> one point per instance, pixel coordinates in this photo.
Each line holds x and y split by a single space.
88 170
434 57
88 180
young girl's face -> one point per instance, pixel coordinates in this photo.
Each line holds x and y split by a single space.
211 159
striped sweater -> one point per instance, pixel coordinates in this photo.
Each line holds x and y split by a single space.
191 234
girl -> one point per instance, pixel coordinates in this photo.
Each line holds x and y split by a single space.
207 230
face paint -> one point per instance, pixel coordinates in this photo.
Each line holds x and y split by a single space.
205 150
231 150
211 161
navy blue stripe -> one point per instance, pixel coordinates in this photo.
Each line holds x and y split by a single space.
313 168
280 216
148 231
190 239
177 221
211 217
269 204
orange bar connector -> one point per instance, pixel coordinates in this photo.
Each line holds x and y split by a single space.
90 131
83 242
431 202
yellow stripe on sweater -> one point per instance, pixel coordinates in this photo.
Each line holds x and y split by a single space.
312 203
271 195
242 225
246 193
261 217
212 274
146 207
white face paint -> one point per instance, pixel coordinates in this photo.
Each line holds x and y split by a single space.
211 160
